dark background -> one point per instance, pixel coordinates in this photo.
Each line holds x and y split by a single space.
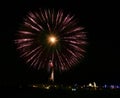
101 63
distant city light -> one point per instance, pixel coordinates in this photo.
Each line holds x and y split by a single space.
35 86
48 87
105 86
73 89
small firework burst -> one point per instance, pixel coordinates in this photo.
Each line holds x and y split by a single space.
48 35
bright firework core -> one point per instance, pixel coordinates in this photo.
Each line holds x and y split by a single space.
52 39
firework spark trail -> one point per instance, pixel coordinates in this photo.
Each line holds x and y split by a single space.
25 45
26 32
34 43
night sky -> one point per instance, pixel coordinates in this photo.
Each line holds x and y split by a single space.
102 59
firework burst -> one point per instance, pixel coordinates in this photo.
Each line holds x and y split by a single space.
48 35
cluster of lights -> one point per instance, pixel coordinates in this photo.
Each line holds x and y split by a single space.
111 86
75 87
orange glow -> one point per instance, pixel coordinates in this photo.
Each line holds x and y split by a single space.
52 39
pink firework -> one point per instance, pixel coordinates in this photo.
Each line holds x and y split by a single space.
48 35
